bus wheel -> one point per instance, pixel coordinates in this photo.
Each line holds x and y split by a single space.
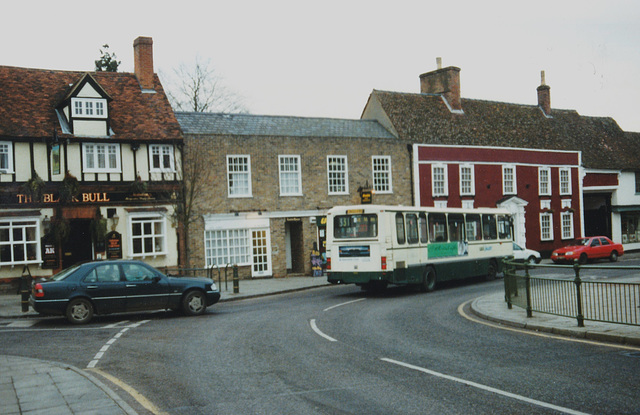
492 271
428 280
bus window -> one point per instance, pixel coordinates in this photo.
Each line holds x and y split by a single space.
489 228
456 227
400 228
474 227
504 227
424 235
412 228
437 227
355 226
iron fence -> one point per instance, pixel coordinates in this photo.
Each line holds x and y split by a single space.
595 300
215 273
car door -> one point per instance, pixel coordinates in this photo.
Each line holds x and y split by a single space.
597 251
606 248
104 285
147 289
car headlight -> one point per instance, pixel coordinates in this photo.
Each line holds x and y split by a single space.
569 253
214 287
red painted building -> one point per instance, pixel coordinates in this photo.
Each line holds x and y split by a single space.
541 188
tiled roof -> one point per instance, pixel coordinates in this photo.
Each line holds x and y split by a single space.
424 118
30 97
269 125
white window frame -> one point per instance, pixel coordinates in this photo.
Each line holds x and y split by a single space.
90 159
6 153
290 171
472 180
227 247
381 173
243 175
13 224
544 183
566 231
564 185
440 204
467 204
229 240
548 235
143 218
89 108
337 175
161 150
441 182
514 183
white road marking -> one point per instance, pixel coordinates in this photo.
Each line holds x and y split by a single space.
103 349
110 326
318 332
341 304
485 388
22 323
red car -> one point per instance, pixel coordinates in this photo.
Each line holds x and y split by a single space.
585 249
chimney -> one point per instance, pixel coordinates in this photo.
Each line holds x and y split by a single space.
143 61
544 95
445 81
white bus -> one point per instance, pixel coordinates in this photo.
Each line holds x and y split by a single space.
373 245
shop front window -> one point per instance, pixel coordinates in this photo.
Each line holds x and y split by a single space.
630 231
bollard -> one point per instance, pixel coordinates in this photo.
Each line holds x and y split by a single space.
236 280
25 288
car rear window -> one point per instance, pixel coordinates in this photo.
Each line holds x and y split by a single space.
64 273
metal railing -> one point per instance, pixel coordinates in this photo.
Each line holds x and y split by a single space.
611 302
210 273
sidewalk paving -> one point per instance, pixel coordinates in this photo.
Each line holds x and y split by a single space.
23 381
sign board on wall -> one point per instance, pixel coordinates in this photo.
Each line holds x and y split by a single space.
114 245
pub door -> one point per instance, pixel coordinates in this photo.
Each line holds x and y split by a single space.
78 247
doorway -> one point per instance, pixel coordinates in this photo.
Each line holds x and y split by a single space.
597 214
78 247
294 246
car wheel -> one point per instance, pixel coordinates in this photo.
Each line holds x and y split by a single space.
613 257
428 280
79 311
532 260
583 259
194 303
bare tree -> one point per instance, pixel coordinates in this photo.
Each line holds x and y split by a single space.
199 88
196 175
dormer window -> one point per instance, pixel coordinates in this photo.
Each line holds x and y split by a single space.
89 107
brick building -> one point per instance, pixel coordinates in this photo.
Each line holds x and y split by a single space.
273 180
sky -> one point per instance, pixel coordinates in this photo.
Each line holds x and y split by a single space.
324 58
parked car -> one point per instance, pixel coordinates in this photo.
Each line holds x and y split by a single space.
526 255
105 287
585 249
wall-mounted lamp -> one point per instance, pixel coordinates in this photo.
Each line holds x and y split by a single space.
114 221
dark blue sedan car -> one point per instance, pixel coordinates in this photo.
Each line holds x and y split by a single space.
119 286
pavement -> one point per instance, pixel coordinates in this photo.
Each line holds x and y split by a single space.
31 386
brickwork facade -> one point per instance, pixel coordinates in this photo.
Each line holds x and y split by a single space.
289 220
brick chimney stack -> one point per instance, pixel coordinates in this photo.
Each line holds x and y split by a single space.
143 61
544 95
445 81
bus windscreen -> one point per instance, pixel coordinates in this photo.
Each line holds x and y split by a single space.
355 226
